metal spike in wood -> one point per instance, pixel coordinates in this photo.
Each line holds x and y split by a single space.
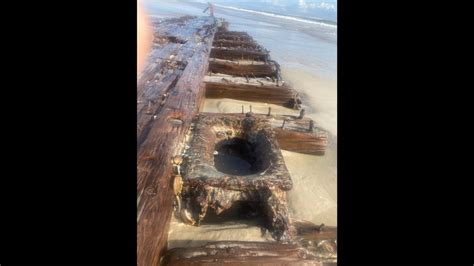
302 112
282 126
242 109
269 111
250 108
311 125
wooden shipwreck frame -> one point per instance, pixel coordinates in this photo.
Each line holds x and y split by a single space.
179 147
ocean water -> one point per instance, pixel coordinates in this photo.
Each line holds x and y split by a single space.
302 37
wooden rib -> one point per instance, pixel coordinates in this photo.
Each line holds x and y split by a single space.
256 90
232 43
242 68
239 53
239 253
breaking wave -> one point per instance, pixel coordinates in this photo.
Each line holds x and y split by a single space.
330 25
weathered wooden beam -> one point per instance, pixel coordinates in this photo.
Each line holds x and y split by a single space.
167 131
241 253
236 38
239 53
302 142
299 135
243 68
232 43
231 34
166 62
256 90
320 240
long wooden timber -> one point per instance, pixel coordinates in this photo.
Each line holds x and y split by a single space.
220 33
300 134
232 53
240 44
233 35
251 89
313 245
168 97
243 68
241 253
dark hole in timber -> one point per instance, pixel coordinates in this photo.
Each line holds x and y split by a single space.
250 212
236 157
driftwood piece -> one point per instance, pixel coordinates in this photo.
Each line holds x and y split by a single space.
154 168
242 68
241 253
255 90
262 180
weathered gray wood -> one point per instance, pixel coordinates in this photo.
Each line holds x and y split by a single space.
161 143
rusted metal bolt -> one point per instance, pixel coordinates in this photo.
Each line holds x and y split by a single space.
311 125
269 111
283 125
242 109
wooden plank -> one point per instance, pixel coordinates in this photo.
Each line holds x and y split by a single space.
320 240
239 53
302 142
243 68
154 169
241 253
166 64
232 43
255 90
220 34
235 38
297 136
